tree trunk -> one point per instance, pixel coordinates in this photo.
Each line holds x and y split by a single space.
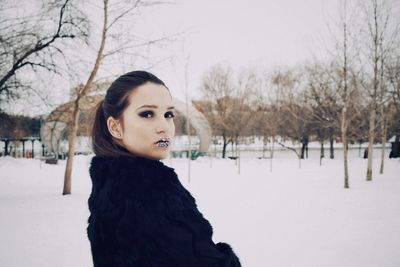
80 95
322 153
224 146
272 154
303 148
345 148
377 42
263 149
371 135
383 112
331 149
71 149
383 140
6 151
238 156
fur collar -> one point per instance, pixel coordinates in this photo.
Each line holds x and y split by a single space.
130 173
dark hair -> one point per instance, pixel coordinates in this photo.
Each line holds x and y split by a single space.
114 104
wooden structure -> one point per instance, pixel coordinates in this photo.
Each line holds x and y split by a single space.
7 142
56 124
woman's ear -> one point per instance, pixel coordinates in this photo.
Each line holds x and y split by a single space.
114 127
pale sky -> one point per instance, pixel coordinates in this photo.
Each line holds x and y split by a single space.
241 33
251 33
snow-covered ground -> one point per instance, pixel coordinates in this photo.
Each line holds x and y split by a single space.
287 217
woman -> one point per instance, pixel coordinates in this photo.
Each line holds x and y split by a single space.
141 215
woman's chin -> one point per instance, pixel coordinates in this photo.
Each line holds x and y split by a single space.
156 154
159 155
164 155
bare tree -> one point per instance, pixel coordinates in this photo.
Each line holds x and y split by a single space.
341 71
217 88
259 125
225 102
241 113
380 42
322 94
111 18
345 95
393 125
35 42
344 50
267 105
393 76
295 112
388 49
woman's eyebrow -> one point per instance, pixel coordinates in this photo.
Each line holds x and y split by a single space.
154 106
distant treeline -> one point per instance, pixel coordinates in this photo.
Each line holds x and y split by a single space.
17 126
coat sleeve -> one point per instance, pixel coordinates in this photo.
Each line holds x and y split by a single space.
187 237
151 229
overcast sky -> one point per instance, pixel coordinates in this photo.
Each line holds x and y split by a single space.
241 33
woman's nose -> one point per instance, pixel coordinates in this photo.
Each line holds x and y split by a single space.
162 125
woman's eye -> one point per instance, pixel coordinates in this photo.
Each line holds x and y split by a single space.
169 115
146 114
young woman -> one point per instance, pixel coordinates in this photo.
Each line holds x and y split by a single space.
141 215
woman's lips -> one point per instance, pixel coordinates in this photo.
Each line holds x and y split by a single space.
163 143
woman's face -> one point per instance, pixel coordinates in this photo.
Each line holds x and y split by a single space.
147 123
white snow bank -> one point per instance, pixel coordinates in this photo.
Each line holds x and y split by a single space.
288 217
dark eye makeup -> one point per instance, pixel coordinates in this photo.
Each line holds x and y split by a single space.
149 114
146 114
169 114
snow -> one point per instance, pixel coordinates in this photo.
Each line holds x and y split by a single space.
287 217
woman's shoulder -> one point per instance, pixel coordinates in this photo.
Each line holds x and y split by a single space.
128 162
130 173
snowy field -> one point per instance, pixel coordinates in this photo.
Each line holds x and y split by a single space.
287 217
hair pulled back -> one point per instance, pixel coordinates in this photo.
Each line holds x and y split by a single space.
114 103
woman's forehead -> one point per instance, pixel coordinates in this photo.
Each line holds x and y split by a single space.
150 94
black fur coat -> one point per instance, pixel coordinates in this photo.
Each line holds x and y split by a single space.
141 215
